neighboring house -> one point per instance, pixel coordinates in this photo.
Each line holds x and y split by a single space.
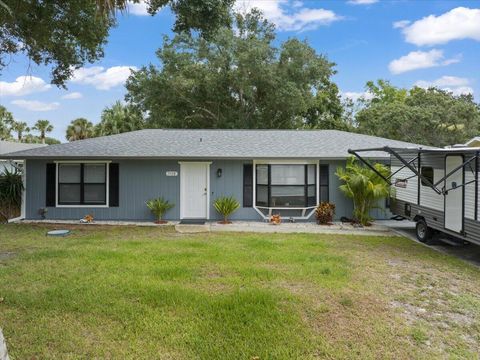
11 146
475 142
268 171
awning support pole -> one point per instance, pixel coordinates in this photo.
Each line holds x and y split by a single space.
370 166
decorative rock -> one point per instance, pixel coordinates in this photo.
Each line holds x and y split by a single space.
58 233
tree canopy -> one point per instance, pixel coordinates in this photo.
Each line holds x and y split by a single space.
119 118
6 121
43 127
68 34
80 129
236 79
424 116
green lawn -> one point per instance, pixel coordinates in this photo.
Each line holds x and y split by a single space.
150 293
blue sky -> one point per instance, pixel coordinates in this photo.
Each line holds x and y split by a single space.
407 42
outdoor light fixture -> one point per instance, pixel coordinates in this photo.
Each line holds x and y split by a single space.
219 173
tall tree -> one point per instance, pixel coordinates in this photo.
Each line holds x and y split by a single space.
20 127
119 118
79 129
424 116
6 121
44 127
68 34
236 79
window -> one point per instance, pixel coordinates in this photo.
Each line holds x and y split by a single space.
324 183
82 184
427 172
247 185
286 185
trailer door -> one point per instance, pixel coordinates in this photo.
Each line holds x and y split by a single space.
454 195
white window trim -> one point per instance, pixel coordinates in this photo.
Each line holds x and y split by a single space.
182 207
107 184
304 215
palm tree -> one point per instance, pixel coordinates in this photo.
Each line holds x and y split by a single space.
20 127
43 126
119 118
6 122
364 187
79 129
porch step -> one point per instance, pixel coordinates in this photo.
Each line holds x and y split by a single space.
183 228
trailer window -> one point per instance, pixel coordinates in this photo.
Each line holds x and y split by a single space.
427 172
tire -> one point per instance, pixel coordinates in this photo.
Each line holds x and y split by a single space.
423 232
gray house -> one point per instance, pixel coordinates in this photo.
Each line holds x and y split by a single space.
268 171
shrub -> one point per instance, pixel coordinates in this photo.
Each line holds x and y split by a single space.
364 187
226 205
11 187
325 212
159 207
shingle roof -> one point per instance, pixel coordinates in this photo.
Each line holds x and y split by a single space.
216 144
11 146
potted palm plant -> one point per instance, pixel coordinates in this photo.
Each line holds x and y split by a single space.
226 205
159 207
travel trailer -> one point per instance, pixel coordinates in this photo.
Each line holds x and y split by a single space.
436 188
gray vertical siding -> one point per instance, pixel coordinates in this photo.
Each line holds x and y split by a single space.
141 180
229 184
343 205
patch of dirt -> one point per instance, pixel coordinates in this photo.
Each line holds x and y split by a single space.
7 255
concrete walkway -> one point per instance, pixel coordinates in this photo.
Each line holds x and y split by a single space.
3 348
301 227
377 229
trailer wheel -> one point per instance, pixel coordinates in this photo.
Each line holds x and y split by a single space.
423 232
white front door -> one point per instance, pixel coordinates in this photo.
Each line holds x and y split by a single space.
194 190
454 195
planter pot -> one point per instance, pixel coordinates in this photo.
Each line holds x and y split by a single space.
161 222
224 222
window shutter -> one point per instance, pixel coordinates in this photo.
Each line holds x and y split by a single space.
114 187
51 186
247 185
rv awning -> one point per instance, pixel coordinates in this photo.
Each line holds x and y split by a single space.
473 153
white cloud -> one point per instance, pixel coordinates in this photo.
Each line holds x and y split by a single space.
461 90
362 2
354 96
290 16
454 84
23 85
139 8
401 24
444 81
458 23
34 105
72 96
100 78
420 60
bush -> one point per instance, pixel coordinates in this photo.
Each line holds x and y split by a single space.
325 212
159 207
11 187
364 187
226 205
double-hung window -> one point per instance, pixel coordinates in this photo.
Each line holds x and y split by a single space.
289 185
82 184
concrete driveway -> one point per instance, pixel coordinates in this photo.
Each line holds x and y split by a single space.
469 253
